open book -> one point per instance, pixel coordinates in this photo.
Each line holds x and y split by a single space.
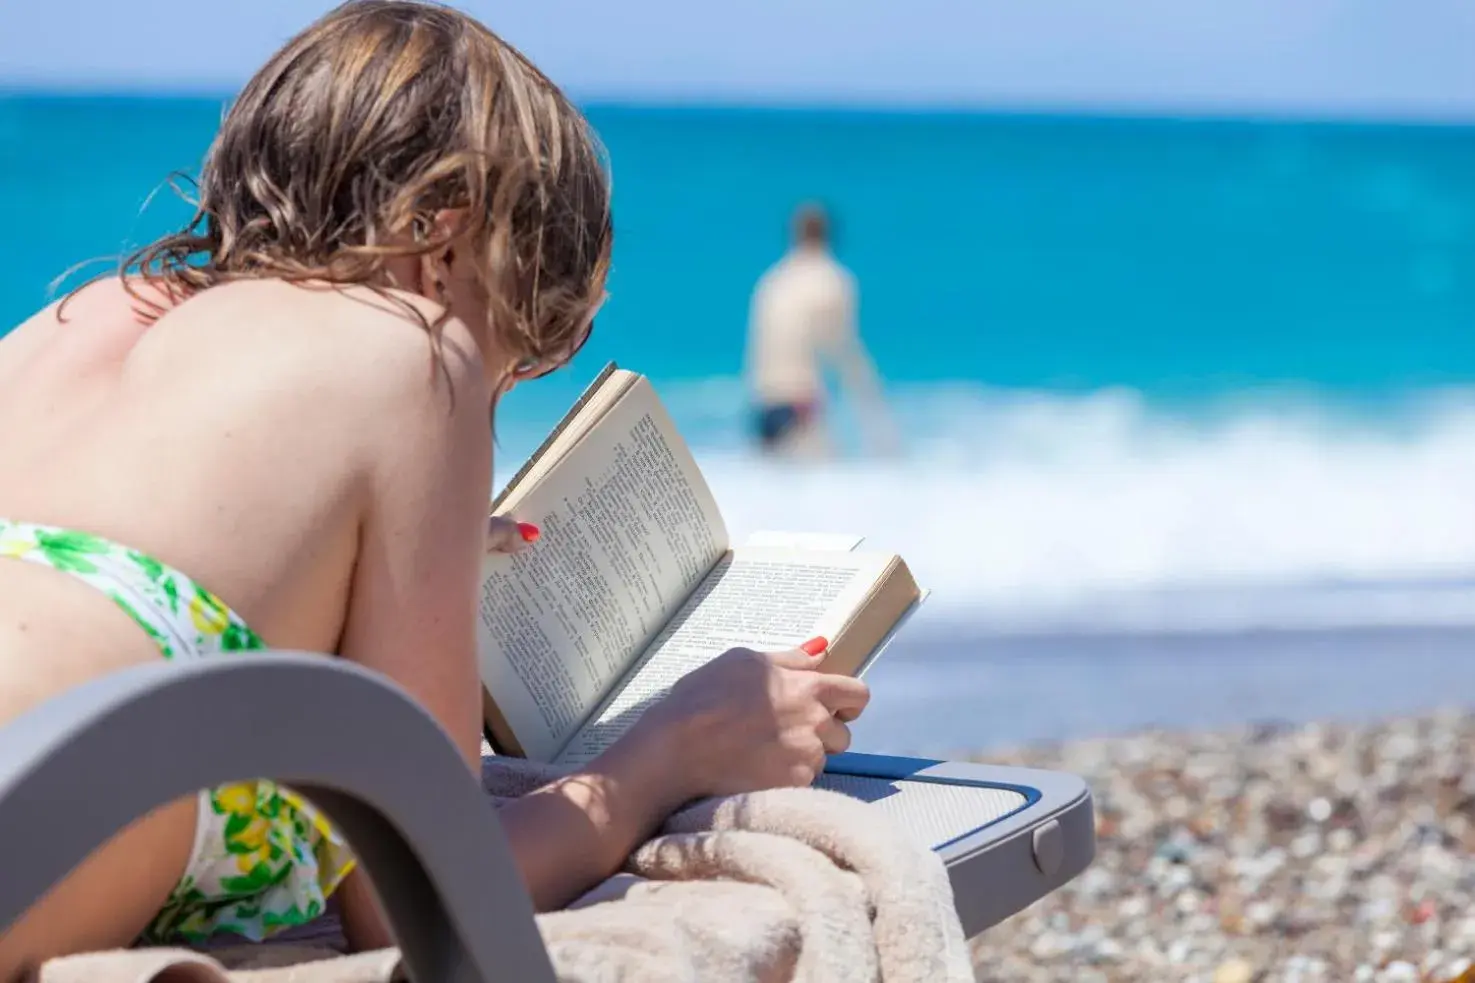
634 583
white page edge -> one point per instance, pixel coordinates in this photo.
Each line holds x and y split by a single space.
887 638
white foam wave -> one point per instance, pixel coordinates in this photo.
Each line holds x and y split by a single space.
1031 512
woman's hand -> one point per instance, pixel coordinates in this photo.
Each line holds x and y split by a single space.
751 720
506 535
745 721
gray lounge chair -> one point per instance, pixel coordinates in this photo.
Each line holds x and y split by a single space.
388 775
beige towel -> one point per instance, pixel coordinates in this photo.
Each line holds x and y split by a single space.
785 885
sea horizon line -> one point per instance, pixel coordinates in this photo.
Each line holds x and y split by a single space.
845 106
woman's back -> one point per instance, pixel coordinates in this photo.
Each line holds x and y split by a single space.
236 446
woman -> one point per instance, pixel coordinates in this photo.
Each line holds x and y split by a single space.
276 434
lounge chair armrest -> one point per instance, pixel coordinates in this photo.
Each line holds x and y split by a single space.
80 767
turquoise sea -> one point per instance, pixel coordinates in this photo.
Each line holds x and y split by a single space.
1189 404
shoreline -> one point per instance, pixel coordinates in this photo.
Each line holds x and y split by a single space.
1326 851
948 695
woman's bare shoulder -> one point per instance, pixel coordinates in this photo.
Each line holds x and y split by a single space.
105 298
354 339
320 375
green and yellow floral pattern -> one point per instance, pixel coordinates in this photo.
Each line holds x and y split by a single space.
264 858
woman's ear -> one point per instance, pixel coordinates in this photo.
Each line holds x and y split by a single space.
448 224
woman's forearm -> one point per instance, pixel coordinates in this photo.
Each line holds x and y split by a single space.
577 831
567 836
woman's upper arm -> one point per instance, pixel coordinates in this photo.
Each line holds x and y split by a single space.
412 603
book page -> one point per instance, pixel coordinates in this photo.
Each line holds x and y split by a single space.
607 389
764 599
629 529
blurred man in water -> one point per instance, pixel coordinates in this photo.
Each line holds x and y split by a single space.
802 321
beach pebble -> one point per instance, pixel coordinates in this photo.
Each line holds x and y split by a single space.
1234 971
1331 852
1399 972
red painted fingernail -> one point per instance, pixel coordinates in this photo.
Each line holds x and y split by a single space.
529 532
815 646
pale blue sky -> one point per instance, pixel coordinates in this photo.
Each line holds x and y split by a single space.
1382 58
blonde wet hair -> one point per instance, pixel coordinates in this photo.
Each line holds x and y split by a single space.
339 153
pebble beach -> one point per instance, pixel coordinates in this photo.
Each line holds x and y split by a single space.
1323 852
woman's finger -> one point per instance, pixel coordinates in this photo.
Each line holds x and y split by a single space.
506 535
806 656
834 735
844 696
